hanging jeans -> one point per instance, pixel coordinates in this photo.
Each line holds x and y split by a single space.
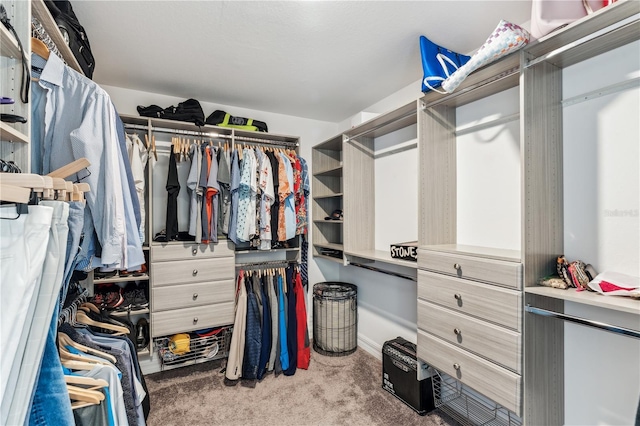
23 248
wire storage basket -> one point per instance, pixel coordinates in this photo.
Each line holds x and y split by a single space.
335 318
194 347
466 407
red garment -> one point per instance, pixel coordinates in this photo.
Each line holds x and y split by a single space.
208 198
304 350
606 286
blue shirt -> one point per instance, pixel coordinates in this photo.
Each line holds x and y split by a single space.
72 117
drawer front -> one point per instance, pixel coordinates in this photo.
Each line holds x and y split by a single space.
491 303
189 250
494 382
184 320
190 295
495 343
192 271
508 274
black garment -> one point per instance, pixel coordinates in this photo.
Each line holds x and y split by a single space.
276 204
292 326
173 189
266 329
253 336
93 415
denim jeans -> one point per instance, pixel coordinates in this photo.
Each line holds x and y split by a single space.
51 405
76 223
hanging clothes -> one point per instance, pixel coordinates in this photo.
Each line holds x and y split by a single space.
247 197
267 200
195 193
173 189
224 179
235 197
304 346
212 194
266 328
138 157
292 325
282 324
273 308
253 334
236 348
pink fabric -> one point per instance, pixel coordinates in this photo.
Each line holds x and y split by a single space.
606 286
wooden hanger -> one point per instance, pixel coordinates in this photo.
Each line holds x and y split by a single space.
71 168
91 307
153 147
68 341
93 383
66 355
82 318
14 194
77 365
39 48
92 397
42 185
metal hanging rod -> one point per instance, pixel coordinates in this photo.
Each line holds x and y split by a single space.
268 264
603 91
374 269
583 321
373 129
247 139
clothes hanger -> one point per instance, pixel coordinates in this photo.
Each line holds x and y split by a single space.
39 48
92 382
68 341
82 318
91 307
77 365
93 397
14 194
153 147
66 355
71 168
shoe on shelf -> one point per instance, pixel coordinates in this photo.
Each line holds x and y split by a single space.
101 275
142 334
114 299
140 272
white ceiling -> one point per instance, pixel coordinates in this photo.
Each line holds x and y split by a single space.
322 60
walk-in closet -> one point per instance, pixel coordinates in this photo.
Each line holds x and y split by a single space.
245 213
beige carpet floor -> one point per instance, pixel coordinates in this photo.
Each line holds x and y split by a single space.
334 391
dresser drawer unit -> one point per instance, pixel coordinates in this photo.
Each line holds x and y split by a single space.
495 343
508 274
491 303
190 295
192 271
189 319
189 250
494 382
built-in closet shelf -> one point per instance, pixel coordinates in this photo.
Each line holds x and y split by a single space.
332 246
144 352
144 277
333 144
328 221
334 171
41 13
320 197
608 28
8 44
10 134
335 259
614 303
381 256
127 313
386 123
477 251
134 119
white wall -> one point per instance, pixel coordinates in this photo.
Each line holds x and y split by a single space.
602 227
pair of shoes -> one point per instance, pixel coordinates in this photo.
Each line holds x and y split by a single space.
113 299
100 275
142 334
140 272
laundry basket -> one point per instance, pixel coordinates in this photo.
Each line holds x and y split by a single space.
335 318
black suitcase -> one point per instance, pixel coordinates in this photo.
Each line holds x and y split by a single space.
405 376
73 33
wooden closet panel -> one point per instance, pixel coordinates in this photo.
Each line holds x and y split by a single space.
437 156
192 271
191 295
359 194
497 383
185 320
491 303
508 274
495 343
190 250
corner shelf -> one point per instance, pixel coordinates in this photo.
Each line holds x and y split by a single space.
381 256
334 171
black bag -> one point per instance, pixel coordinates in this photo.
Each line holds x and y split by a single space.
189 110
73 33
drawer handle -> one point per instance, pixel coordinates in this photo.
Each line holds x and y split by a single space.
194 251
457 296
457 331
456 266
195 296
195 272
195 320
456 366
